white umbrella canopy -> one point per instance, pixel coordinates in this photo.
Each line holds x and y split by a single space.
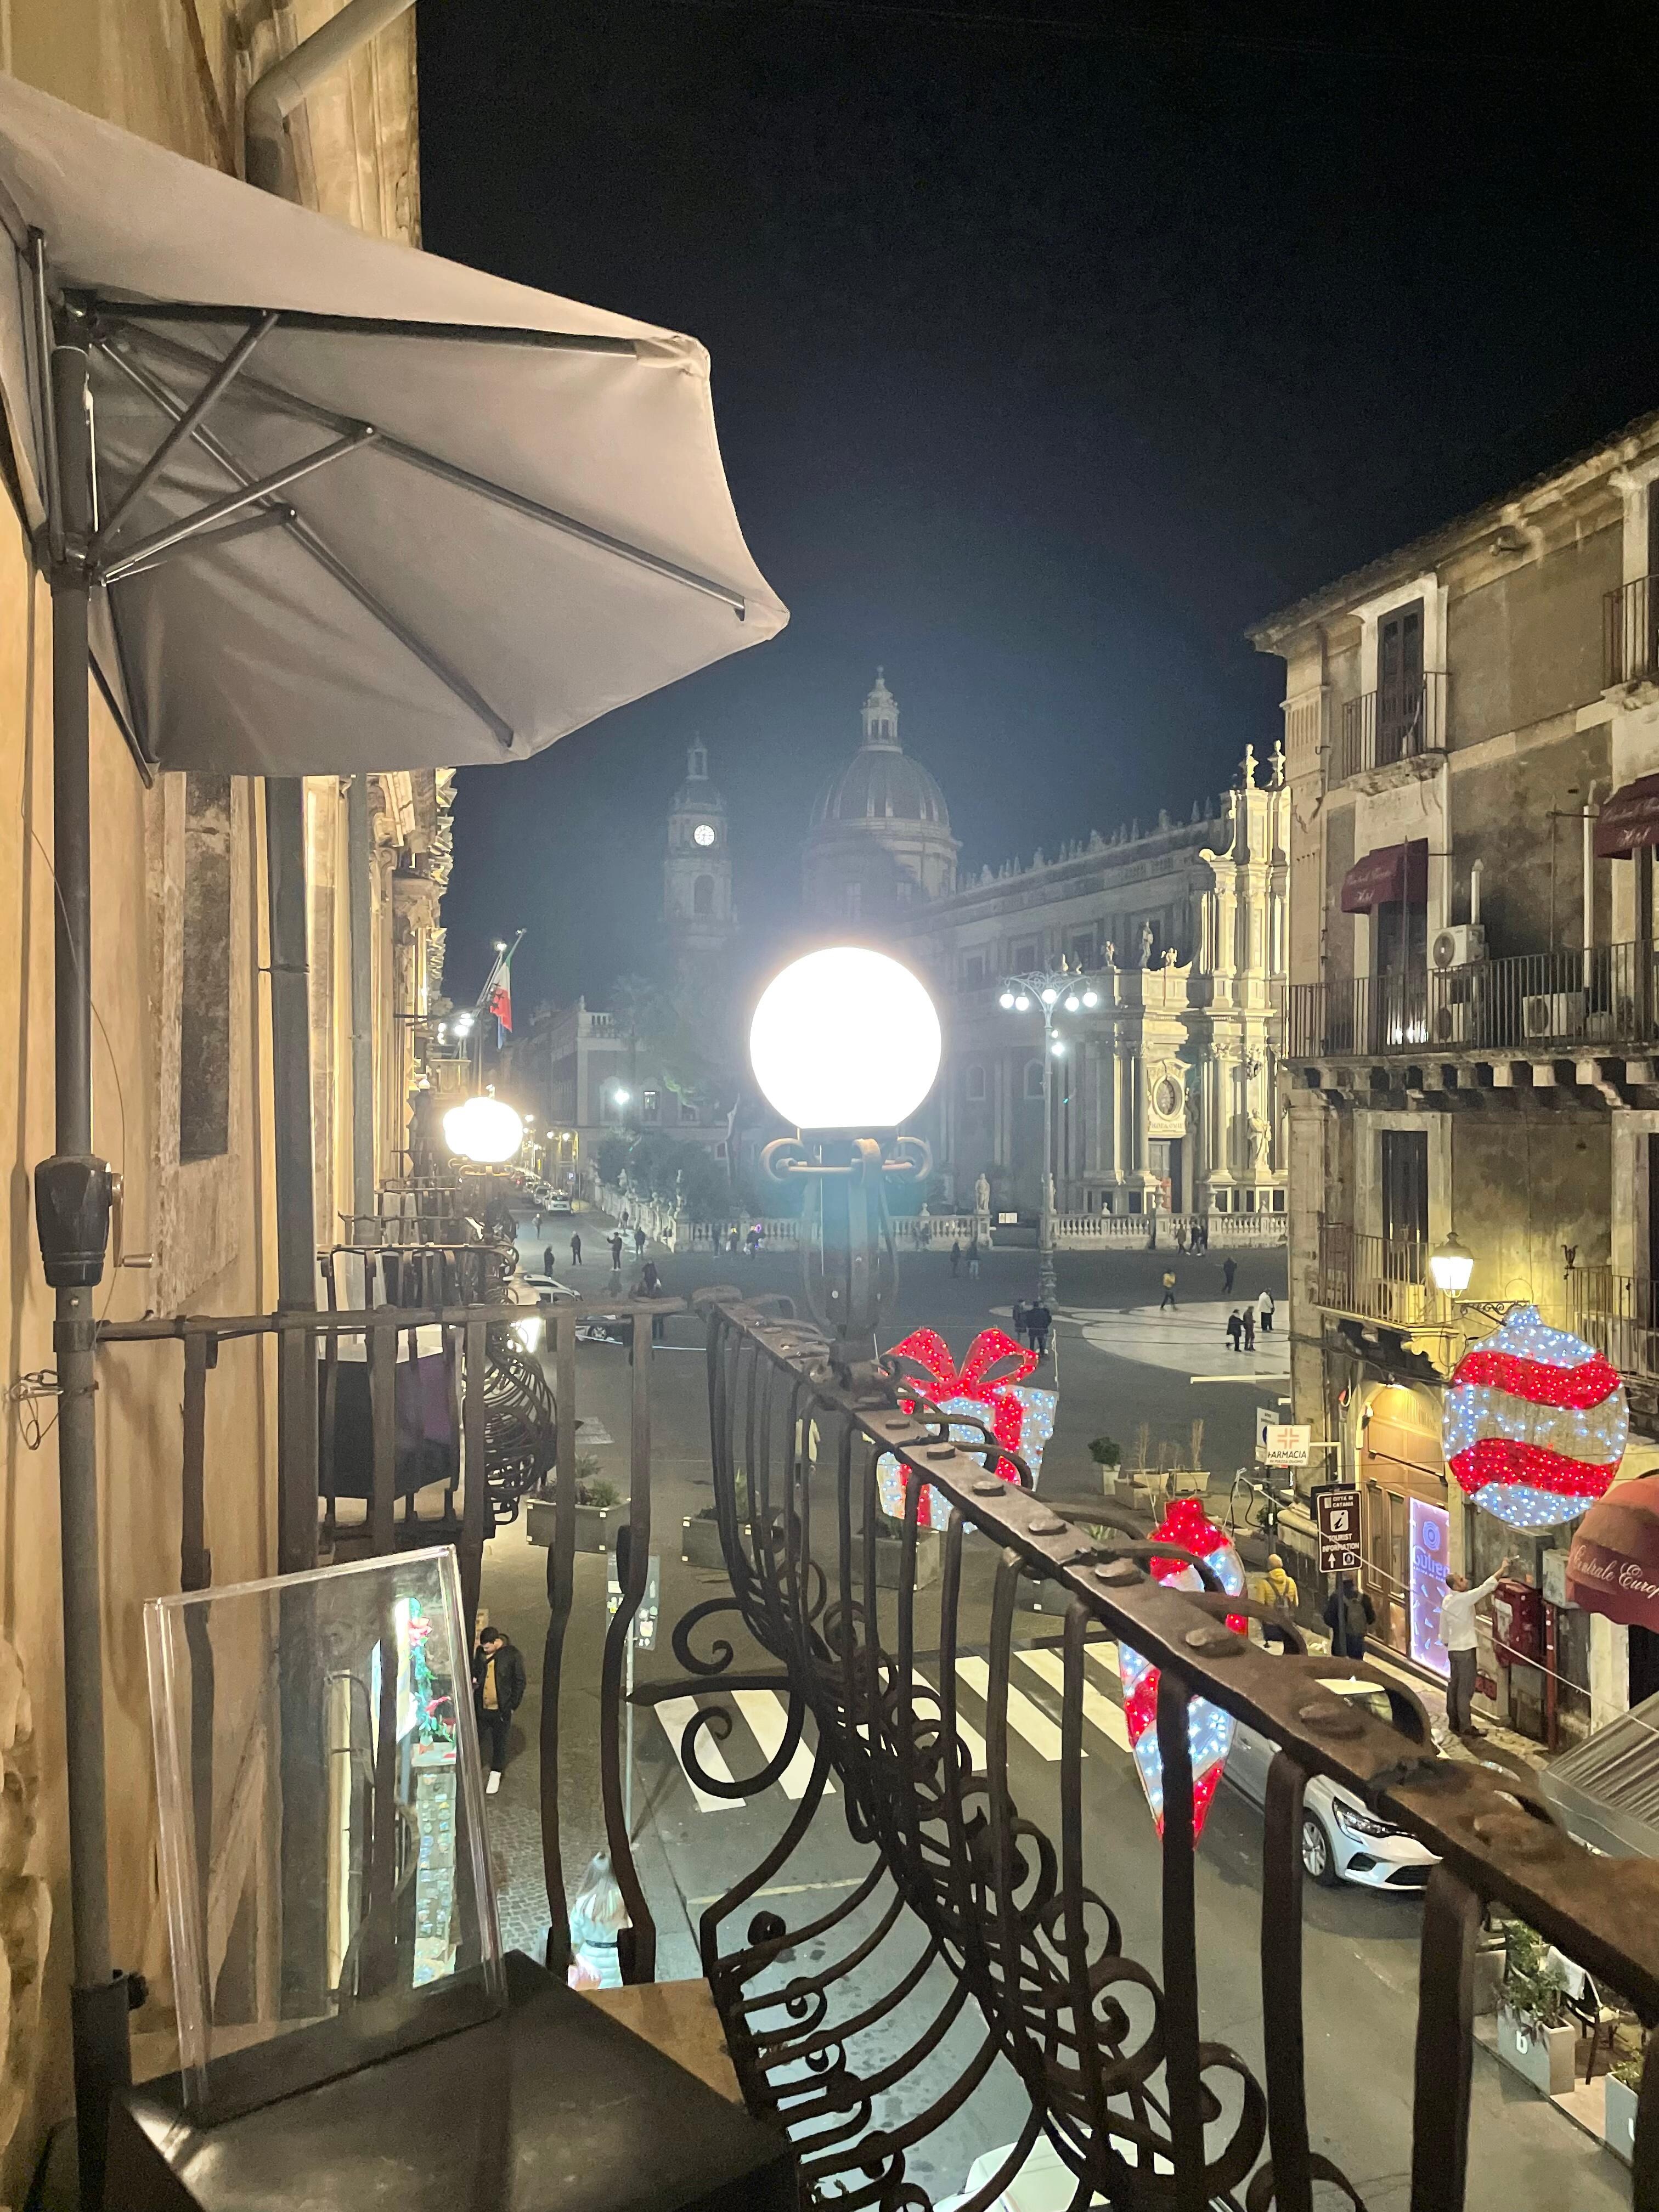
514 516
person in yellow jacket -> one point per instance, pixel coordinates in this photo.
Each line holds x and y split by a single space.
1278 1586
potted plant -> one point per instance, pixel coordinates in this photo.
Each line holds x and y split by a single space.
890 1556
1108 1455
700 1532
1624 2081
1535 2033
595 1498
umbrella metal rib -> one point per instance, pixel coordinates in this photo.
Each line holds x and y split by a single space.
304 535
244 526
296 319
181 429
119 317
221 510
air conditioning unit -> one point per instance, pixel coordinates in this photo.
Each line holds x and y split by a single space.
1451 1023
1553 1014
1459 946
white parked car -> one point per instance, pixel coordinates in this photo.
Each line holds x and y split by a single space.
1342 1839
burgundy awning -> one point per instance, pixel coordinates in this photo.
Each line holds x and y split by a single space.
1629 819
1386 877
1613 1565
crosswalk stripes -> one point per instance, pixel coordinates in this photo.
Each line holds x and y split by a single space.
1023 1715
1098 1708
767 1715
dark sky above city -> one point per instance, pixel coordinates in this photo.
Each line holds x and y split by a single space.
1052 345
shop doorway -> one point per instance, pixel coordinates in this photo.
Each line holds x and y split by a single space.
1400 1466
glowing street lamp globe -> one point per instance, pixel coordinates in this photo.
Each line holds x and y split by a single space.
486 1131
846 1038
1451 1264
1006 1002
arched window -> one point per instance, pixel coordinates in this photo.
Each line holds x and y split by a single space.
975 1085
1034 1078
702 895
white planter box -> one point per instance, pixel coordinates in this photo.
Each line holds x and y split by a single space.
700 1544
889 1559
1619 2128
593 1523
1543 2056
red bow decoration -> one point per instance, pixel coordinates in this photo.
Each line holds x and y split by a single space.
976 1378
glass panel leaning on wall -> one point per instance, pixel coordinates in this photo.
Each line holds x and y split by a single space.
322 1826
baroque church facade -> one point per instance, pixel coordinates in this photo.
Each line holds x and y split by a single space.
1167 1097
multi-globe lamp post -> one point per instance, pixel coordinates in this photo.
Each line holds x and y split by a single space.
1054 993
845 1043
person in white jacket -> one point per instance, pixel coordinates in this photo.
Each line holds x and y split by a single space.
1457 1633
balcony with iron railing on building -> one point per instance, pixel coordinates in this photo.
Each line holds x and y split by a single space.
1619 1316
1630 632
1400 721
1368 1278
1565 1002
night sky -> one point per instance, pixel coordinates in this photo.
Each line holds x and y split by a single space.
1051 346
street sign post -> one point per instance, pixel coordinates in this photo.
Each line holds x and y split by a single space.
1336 1511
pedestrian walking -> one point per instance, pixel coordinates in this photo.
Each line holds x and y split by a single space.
638 1242
650 1285
751 1243
1265 1303
1278 1586
732 1242
973 1258
1229 1269
616 1251
1457 1635
1350 1616
1248 1319
1022 1322
547 1260
956 1256
497 1693
1180 1237
1041 1321
1169 1297
539 1213
622 1224
575 1248
1235 1329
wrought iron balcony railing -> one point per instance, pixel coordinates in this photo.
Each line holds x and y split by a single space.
1111 2051
1562 1002
1630 632
1618 1314
1398 721
1375 1278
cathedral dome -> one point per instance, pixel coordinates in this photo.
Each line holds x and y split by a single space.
880 783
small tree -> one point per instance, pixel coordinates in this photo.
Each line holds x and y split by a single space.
1106 1453
610 1157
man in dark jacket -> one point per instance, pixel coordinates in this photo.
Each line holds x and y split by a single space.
1349 1615
497 1693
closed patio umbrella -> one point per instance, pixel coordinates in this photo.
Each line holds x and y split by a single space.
310 503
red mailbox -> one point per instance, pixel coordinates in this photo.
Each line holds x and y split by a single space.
1517 1624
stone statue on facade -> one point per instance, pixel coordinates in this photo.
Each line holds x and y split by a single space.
1109 951
982 1195
1146 943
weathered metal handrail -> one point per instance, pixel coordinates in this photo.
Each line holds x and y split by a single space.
1375 1278
1618 1314
1530 1002
1397 721
1121 2079
1630 632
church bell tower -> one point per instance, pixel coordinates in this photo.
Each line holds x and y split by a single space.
696 869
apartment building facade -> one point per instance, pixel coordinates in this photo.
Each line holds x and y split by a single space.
1471 1026
183 1065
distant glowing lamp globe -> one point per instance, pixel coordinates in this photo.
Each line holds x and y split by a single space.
1536 1423
1049 996
1091 997
1451 1266
1006 1002
845 1039
1022 1004
484 1130
1072 1002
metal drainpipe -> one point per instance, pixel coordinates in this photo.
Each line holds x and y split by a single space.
284 85
72 1202
270 103
359 859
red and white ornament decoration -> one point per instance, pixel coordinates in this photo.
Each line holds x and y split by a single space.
1536 1423
984 1389
1209 1728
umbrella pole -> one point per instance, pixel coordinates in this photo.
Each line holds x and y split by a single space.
72 1204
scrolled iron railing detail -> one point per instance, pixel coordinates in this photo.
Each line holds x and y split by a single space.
981 1925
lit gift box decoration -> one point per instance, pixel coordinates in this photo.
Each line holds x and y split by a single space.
1209 1729
1023 1420
1536 1423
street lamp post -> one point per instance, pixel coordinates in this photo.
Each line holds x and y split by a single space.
846 1044
1054 992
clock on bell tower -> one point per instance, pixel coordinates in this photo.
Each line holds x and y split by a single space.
697 872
